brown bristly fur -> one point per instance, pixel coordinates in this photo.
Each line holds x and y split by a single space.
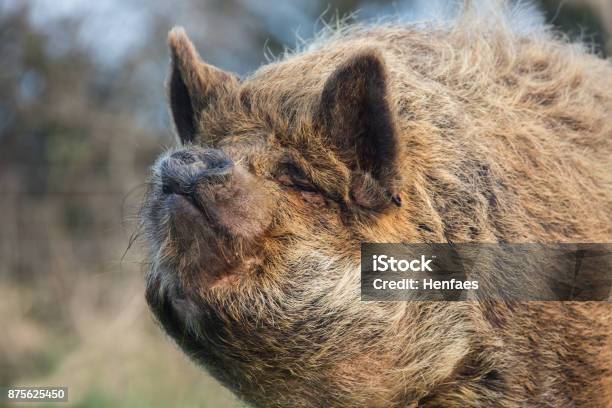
500 137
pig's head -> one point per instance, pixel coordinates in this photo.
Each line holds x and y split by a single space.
254 225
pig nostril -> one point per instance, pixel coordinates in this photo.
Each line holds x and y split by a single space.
166 189
173 184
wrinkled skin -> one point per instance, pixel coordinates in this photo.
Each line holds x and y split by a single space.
254 226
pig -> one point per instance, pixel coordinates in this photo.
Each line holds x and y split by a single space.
461 133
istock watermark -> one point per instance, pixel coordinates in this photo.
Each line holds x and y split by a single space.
511 272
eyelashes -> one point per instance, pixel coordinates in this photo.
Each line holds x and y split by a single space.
293 177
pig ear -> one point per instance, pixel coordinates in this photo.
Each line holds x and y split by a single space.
193 85
355 115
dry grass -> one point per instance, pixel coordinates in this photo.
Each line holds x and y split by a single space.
112 355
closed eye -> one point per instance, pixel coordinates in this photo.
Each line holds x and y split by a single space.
292 176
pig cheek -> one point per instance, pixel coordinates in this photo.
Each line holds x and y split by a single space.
243 211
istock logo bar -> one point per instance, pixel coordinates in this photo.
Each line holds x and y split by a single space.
511 272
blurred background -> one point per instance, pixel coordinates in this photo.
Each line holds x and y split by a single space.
82 116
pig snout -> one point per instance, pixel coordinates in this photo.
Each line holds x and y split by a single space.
205 185
184 170
211 213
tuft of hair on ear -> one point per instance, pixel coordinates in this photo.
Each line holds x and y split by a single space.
354 115
193 86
